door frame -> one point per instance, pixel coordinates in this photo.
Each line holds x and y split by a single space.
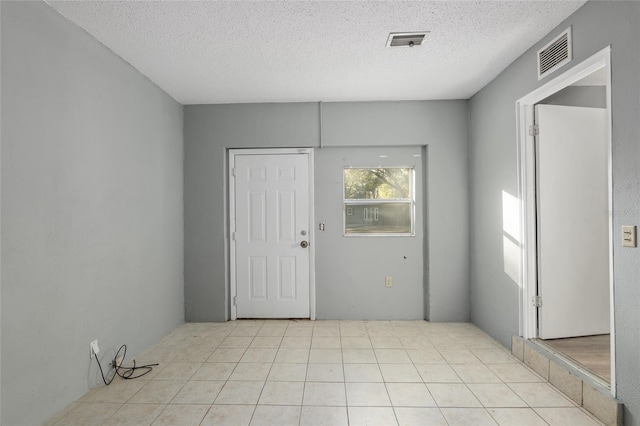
527 193
232 223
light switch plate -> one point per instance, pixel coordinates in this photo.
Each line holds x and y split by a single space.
629 236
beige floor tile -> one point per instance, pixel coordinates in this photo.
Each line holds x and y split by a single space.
407 331
282 393
496 395
416 342
516 417
356 342
400 373
362 373
392 356
235 342
119 391
90 413
214 371
448 345
325 356
60 414
226 355
228 415
182 415
270 415
358 356
475 373
193 354
178 371
292 355
266 342
285 369
327 394
259 355
540 395
479 342
326 342
367 395
325 373
452 395
566 416
409 395
158 354
240 393
289 372
459 356
157 392
437 373
411 416
386 342
299 332
425 356
323 416
272 331
135 415
326 331
249 331
515 373
353 332
295 342
494 356
198 392
468 417
372 416
251 371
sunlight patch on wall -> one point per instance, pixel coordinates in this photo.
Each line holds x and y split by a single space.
511 237
511 215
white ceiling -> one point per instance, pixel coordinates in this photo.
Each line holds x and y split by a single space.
295 51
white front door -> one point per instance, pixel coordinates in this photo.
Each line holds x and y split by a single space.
573 222
271 235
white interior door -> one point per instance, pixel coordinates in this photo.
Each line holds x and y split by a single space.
272 235
573 223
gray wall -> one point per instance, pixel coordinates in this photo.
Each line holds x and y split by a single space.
92 223
211 129
579 96
351 280
494 296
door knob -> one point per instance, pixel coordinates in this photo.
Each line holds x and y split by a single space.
304 244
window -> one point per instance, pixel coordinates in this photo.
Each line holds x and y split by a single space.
378 201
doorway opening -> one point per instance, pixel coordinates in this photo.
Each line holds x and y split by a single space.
564 159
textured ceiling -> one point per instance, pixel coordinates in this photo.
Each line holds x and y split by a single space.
293 51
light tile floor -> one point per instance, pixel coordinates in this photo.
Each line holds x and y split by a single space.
327 373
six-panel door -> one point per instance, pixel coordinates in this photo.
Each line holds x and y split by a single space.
272 235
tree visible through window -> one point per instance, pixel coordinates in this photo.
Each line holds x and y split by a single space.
378 201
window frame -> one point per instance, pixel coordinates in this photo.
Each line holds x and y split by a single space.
411 201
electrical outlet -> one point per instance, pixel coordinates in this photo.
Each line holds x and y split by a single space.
629 238
93 348
388 282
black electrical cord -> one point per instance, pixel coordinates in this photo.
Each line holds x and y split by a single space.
128 372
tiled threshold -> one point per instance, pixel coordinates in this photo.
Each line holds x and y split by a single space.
584 389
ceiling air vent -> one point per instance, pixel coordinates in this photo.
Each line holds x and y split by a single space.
406 39
555 54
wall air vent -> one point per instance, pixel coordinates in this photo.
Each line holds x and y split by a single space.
555 54
406 39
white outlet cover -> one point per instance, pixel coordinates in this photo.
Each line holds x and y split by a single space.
94 349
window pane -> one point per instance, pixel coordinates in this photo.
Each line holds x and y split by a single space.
378 218
377 184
